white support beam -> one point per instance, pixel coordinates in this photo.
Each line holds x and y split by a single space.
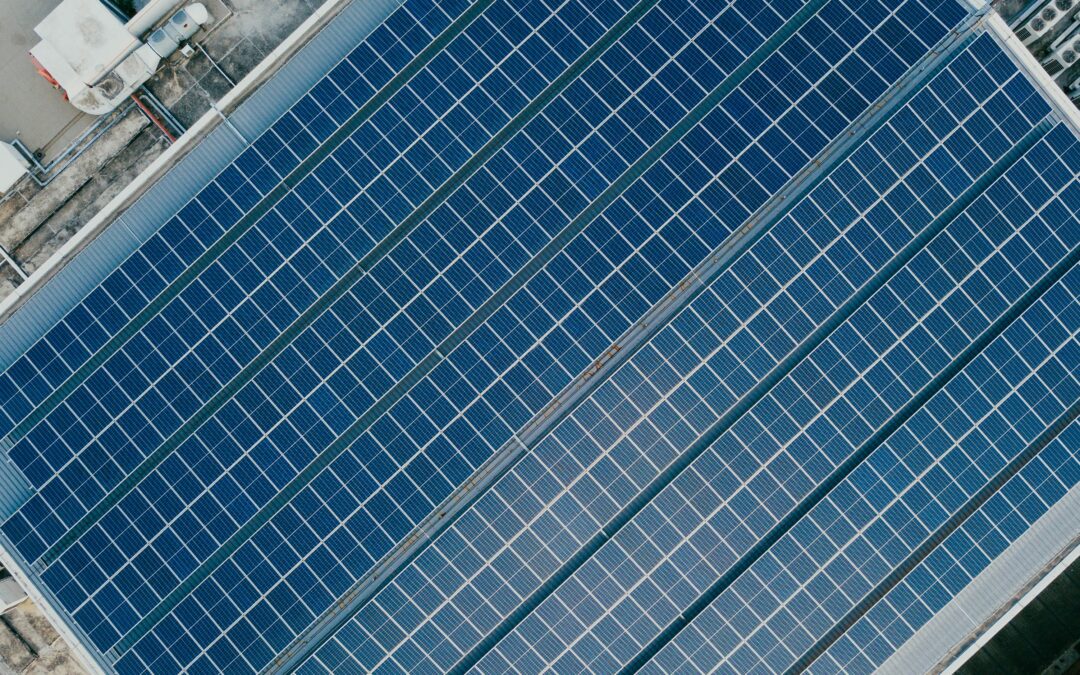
12 263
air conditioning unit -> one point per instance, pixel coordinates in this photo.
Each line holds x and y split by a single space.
1040 18
1064 50
1073 91
13 166
99 61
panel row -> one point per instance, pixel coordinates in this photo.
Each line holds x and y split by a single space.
997 524
201 340
462 362
90 325
768 464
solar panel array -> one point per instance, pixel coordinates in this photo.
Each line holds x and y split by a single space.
450 232
674 393
858 378
908 489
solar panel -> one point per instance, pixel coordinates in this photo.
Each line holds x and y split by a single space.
462 360
675 389
204 340
749 512
706 321
64 352
119 445
269 539
909 489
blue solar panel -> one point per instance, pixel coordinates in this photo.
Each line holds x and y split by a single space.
181 241
823 244
905 491
400 503
152 486
220 323
459 376
675 389
1009 513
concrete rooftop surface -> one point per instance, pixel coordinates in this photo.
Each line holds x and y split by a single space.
29 645
39 116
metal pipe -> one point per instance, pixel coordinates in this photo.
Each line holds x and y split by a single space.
78 142
74 150
153 118
100 132
162 110
25 152
30 156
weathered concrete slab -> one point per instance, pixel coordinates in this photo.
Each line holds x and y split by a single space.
30 645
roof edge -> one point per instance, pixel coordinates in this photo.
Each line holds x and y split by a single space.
86 657
1030 66
996 595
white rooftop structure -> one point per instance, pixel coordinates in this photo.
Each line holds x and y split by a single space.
89 38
